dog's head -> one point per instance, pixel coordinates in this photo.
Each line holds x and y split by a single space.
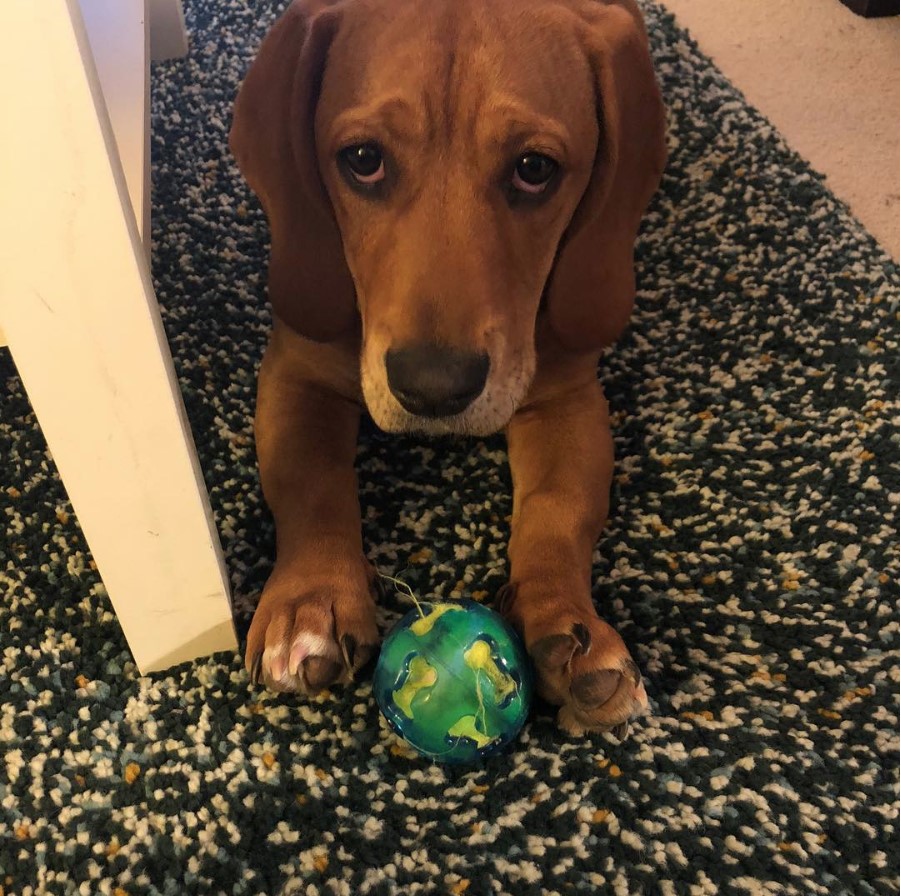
444 172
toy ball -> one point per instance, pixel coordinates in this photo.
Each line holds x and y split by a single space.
453 680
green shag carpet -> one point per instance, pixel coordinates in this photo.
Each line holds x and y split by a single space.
751 564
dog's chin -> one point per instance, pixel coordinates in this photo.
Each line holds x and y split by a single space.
475 423
488 414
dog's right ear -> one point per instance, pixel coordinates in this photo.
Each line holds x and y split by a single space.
273 140
592 286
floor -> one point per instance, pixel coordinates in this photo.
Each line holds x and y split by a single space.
827 79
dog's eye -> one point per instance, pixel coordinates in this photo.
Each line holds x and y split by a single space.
364 162
533 172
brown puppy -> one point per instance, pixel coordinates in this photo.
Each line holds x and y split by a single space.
453 189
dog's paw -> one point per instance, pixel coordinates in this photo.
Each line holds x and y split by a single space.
311 631
581 665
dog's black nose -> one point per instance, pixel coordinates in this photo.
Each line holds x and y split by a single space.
433 381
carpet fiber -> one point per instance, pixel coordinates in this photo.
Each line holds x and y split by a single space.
750 564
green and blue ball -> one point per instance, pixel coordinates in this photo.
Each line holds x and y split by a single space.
454 681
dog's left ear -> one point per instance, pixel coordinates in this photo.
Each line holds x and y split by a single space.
591 289
273 141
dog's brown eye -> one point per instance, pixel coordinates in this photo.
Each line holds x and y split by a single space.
364 162
533 172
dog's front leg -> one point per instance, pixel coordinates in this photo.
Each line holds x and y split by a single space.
315 623
561 457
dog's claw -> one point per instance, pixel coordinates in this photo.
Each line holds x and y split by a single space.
632 667
503 599
380 585
583 636
621 731
348 651
256 667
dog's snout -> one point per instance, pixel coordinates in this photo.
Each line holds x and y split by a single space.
434 381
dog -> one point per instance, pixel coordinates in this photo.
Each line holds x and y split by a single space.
453 190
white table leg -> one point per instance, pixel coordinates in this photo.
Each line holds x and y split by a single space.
120 47
83 325
168 37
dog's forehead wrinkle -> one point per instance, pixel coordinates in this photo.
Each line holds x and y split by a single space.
462 67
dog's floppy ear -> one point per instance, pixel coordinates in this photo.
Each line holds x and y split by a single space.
273 141
591 289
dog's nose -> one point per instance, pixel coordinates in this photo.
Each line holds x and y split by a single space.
433 381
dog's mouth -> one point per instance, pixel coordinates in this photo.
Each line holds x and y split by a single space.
458 425
488 414
466 423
